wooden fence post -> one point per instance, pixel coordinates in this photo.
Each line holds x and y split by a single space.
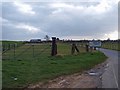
14 50
54 47
73 48
87 48
33 50
3 48
76 49
8 46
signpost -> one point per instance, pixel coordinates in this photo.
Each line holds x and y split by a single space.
95 44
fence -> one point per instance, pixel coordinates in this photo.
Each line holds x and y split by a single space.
38 50
26 51
8 46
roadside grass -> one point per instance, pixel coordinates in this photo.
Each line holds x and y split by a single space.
43 67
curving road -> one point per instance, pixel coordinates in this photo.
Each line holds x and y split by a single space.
110 76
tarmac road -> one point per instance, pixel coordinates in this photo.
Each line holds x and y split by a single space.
110 76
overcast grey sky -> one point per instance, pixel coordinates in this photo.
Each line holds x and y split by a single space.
95 19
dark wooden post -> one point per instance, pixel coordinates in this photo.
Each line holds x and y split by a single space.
14 50
3 47
33 49
73 48
76 49
87 48
8 46
94 48
54 47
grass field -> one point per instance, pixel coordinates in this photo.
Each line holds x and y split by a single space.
111 45
7 45
11 42
25 68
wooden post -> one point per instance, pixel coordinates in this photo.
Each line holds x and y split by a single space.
73 48
54 47
33 49
14 50
94 48
3 48
87 48
76 49
8 46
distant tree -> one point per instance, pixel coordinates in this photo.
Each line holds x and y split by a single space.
108 39
47 37
58 39
99 40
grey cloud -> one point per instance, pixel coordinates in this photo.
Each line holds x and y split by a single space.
65 23
11 33
83 25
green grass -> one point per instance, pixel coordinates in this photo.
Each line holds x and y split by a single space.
11 42
111 45
42 67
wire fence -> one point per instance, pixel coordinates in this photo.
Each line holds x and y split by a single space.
38 50
9 46
19 50
26 51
